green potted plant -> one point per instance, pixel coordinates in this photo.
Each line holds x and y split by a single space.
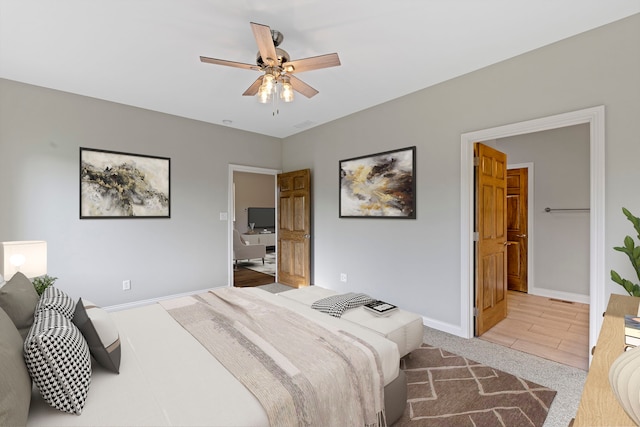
43 282
633 252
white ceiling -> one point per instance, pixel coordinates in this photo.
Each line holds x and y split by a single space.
145 53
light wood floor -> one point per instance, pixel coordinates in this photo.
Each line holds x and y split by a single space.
546 327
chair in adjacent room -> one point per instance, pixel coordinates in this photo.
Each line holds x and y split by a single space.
244 250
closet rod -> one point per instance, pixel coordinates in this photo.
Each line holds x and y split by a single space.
576 209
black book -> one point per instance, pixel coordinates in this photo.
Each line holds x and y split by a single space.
380 307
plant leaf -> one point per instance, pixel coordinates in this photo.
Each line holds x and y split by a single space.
629 243
616 277
633 253
634 220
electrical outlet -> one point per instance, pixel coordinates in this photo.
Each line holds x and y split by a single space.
343 277
126 285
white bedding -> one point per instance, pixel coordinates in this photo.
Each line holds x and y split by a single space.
167 378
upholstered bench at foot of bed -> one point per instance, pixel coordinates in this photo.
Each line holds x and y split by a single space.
395 398
402 327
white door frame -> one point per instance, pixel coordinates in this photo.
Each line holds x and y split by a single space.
231 211
595 117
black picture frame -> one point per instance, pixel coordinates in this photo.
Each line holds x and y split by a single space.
117 185
381 185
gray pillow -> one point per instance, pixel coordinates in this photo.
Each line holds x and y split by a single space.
18 298
58 360
15 383
100 332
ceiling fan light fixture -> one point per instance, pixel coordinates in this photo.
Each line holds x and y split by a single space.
268 82
264 95
267 88
286 94
276 65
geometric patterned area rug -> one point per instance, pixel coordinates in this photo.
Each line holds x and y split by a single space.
269 266
444 389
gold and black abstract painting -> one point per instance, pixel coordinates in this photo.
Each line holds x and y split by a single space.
123 185
381 185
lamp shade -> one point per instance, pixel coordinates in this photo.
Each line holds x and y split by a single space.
27 257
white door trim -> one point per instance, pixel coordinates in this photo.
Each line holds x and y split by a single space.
231 205
595 117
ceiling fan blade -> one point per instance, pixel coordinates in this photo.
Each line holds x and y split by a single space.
229 63
302 87
267 49
253 89
313 63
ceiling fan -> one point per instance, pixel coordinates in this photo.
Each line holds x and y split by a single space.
277 66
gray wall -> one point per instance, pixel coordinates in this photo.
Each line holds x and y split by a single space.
40 134
417 263
559 240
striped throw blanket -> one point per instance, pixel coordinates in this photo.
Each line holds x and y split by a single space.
302 373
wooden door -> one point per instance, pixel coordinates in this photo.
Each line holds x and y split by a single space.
517 229
294 228
491 237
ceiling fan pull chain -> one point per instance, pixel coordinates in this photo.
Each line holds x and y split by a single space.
274 100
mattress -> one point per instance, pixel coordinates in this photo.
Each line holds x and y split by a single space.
167 378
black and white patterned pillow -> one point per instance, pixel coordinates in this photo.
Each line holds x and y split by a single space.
54 299
336 305
58 360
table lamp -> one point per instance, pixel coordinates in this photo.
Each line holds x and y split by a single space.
27 257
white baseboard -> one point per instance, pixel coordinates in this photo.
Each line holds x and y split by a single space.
141 303
566 296
444 327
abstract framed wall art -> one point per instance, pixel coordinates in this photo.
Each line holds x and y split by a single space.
381 185
123 185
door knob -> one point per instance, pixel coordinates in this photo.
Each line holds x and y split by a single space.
521 235
507 243
307 236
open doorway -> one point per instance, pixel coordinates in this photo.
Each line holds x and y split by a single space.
252 228
594 117
554 198
549 318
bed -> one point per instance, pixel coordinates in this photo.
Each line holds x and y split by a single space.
167 377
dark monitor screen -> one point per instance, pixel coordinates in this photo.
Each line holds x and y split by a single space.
262 217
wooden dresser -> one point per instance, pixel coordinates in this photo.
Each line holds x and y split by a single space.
598 405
